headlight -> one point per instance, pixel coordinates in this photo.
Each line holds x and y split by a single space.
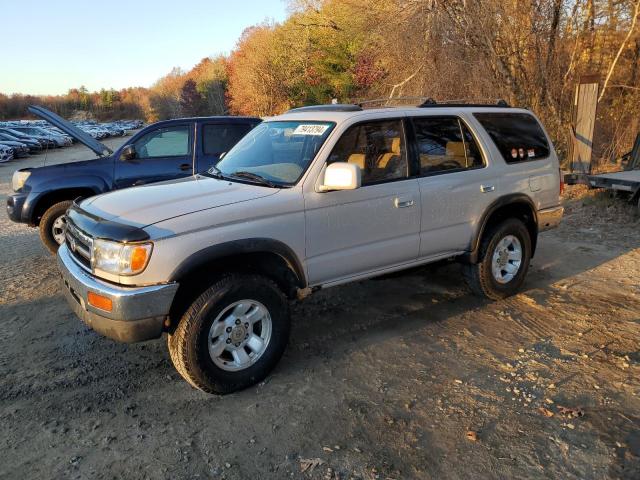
120 258
18 179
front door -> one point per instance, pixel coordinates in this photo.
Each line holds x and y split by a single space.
164 153
356 232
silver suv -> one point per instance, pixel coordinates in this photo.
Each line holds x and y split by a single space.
314 198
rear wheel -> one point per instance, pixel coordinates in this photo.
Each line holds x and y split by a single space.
505 253
53 225
232 335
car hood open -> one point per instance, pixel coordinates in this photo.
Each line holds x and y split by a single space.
83 137
148 204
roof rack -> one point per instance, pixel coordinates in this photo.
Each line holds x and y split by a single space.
391 102
430 103
395 102
334 107
424 102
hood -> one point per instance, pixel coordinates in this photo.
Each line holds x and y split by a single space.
42 176
148 204
99 148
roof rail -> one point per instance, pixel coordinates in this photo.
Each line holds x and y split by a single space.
430 103
390 102
335 107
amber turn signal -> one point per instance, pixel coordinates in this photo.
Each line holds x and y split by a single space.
138 258
99 301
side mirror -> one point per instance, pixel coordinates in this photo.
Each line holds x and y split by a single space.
128 153
341 176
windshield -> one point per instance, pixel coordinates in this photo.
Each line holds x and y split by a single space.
278 152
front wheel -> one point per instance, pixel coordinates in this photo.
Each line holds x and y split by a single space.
505 253
53 225
232 335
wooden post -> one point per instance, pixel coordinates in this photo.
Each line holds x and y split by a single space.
584 108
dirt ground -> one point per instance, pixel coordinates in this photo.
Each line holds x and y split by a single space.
397 378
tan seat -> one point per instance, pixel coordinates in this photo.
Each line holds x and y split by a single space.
357 159
385 158
456 151
428 162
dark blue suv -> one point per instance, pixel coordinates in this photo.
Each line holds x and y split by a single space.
162 151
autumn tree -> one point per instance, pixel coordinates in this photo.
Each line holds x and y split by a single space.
211 80
190 99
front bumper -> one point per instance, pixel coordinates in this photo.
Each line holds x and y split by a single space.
15 207
549 218
138 313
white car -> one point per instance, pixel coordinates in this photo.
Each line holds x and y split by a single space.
6 154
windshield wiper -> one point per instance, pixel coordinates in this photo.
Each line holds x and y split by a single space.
254 177
216 173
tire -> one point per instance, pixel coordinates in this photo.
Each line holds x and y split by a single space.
480 276
190 343
50 220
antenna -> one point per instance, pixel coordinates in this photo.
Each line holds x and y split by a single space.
46 152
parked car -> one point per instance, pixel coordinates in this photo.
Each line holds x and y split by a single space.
161 151
311 199
38 132
23 136
33 145
20 149
6 154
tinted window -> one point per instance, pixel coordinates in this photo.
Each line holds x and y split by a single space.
378 148
164 142
518 136
445 143
217 139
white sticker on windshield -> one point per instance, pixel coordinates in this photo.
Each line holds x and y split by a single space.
310 129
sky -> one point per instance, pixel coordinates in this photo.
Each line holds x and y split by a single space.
50 46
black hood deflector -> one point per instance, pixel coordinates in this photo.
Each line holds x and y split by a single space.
98 227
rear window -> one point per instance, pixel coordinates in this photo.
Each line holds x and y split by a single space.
518 136
219 138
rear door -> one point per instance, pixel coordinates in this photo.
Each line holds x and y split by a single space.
456 187
163 153
217 138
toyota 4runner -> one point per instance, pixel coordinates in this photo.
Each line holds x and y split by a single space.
310 199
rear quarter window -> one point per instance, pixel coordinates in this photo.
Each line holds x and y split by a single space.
518 136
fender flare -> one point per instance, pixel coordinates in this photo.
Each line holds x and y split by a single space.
238 247
510 199
87 182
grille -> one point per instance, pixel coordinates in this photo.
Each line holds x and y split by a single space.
79 244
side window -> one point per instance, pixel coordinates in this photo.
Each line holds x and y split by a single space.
219 138
518 136
378 148
164 142
445 143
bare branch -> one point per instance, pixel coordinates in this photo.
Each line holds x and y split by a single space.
406 80
622 45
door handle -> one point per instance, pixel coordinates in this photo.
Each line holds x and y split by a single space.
185 166
487 188
400 203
